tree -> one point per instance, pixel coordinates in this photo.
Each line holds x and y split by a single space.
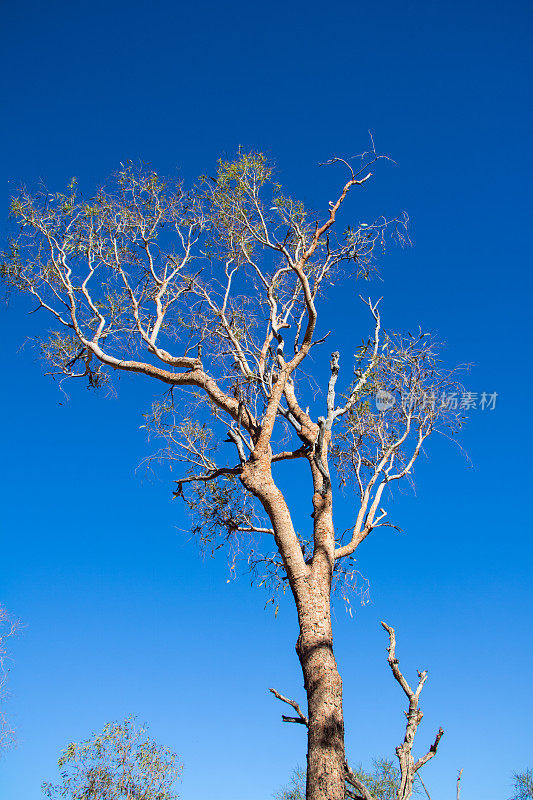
523 785
386 782
7 629
295 790
382 782
120 762
216 292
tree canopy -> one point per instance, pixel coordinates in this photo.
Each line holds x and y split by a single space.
217 292
120 762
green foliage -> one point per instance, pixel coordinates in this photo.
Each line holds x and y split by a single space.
11 267
295 790
65 353
249 170
523 785
223 279
120 762
383 782
61 349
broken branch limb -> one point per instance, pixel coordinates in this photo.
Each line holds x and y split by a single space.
459 783
301 716
431 752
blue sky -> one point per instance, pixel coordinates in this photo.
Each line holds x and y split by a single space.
120 614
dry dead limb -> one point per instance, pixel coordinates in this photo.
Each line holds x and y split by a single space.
408 766
350 776
459 783
301 718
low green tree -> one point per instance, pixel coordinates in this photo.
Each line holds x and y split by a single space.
382 781
295 789
121 762
8 628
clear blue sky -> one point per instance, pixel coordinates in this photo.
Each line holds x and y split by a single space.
121 615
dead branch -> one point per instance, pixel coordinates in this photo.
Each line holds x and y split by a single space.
301 718
459 783
408 766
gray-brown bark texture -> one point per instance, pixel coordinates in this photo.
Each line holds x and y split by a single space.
323 685
214 294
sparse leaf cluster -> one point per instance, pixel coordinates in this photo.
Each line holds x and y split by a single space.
121 762
523 785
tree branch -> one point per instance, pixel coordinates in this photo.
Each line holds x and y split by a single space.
459 783
354 781
204 478
431 752
301 718
424 786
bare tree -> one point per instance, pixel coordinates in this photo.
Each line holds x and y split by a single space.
408 766
217 293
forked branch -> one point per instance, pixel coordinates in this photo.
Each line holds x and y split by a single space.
301 718
408 766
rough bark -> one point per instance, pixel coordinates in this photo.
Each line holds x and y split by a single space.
311 587
323 685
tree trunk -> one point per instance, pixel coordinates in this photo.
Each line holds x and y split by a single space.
323 684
